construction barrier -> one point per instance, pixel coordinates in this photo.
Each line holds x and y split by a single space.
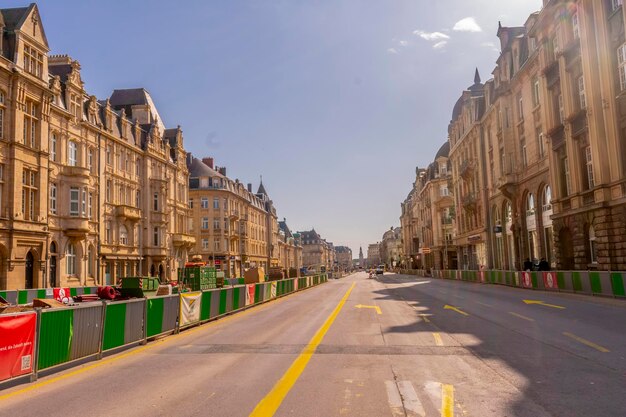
27 296
605 283
47 338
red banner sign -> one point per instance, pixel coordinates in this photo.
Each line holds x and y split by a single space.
526 280
250 294
62 294
16 345
549 281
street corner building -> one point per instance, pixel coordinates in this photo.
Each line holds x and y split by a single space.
536 158
90 190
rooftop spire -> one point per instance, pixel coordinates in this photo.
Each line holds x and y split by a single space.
476 77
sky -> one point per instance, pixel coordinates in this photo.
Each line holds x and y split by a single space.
333 102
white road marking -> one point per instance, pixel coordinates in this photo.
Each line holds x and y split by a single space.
395 401
412 403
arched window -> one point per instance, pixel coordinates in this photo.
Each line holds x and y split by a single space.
592 245
53 147
72 153
508 213
547 198
70 259
530 205
53 247
123 235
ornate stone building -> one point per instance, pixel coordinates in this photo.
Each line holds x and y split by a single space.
234 228
90 190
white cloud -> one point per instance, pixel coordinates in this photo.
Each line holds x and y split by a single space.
403 43
440 45
491 46
467 25
393 51
431 36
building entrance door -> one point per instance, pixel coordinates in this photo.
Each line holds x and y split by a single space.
53 271
28 279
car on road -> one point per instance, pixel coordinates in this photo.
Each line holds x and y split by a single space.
380 269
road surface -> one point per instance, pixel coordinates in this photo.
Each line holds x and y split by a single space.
391 346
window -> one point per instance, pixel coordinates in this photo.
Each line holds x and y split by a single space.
123 235
621 63
70 259
53 198
204 202
205 223
575 26
443 191
137 198
89 206
155 202
108 191
155 236
205 244
107 232
75 106
567 177
1 186
53 147
29 193
556 48
90 159
524 152
547 199
90 261
615 4
216 203
530 205
83 203
216 223
581 93
74 197
216 244
561 109
33 61
540 145
2 104
443 168
72 153
109 158
536 96
191 203
520 107
30 124
137 168
589 167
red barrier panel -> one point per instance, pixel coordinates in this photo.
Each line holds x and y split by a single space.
527 281
16 344
61 294
549 280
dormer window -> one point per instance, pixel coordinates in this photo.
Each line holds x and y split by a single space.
33 61
75 106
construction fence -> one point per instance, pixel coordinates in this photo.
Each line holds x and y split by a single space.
606 283
44 339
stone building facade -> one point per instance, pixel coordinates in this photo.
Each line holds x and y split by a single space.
234 228
79 177
538 152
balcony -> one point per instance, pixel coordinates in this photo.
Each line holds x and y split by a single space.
75 226
75 171
158 217
234 214
181 239
128 212
467 168
579 123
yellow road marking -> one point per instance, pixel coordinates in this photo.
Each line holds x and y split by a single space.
586 342
447 307
438 340
541 303
156 343
270 403
374 307
520 316
447 400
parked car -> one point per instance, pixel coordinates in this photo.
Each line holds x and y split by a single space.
380 269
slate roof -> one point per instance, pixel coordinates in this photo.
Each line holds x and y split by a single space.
197 168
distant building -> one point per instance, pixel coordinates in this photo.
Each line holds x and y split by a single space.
344 257
373 254
391 250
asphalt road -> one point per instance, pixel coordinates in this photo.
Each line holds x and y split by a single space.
489 355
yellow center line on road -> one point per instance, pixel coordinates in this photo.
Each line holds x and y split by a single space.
447 400
520 316
438 340
270 403
586 342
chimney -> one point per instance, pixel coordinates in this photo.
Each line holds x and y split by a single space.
249 187
222 171
208 161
